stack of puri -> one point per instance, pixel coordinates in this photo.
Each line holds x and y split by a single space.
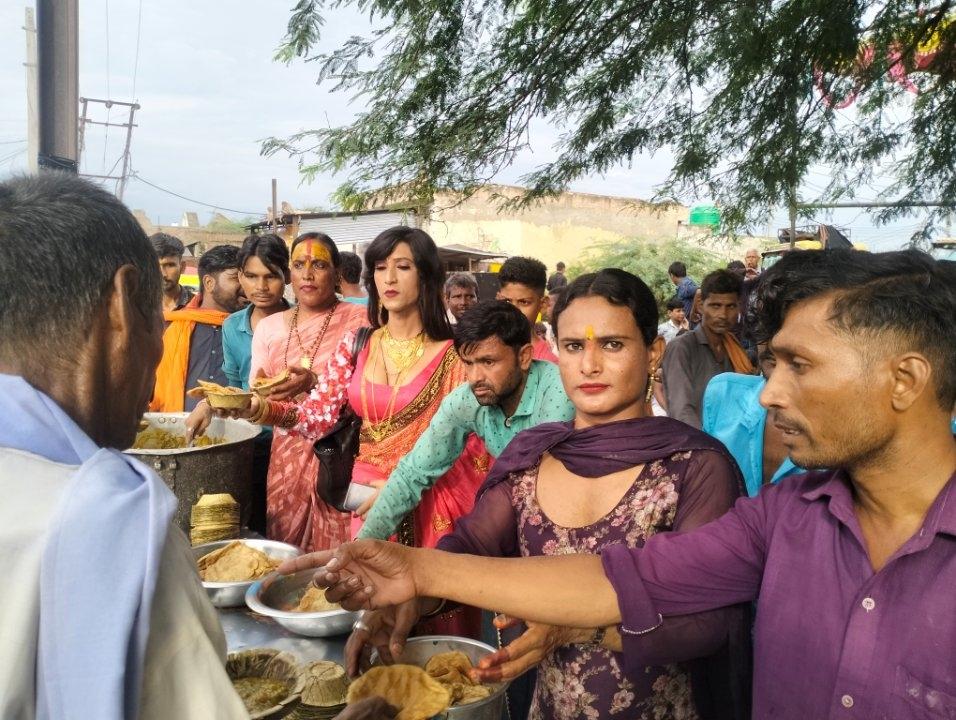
324 691
213 518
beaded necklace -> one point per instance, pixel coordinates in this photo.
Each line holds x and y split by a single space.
308 358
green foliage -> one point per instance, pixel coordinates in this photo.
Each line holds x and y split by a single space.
649 261
736 90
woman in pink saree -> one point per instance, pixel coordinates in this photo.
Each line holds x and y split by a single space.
300 340
396 384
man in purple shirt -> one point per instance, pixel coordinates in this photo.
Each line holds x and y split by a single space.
853 569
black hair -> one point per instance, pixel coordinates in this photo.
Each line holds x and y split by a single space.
167 245
431 305
462 280
618 287
906 294
737 267
351 267
325 240
270 249
677 269
525 271
492 318
218 259
560 266
675 304
62 239
720 282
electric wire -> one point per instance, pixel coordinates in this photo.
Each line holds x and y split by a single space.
136 176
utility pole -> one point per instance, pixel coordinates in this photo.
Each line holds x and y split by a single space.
33 130
275 207
85 120
58 65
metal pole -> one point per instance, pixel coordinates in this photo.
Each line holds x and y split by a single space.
129 136
82 131
905 203
58 64
793 223
33 130
275 207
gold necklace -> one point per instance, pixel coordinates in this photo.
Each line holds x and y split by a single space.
309 357
402 353
380 426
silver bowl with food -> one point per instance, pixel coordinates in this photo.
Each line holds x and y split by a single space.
419 650
294 603
226 594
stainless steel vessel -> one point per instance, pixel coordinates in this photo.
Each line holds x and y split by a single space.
273 593
418 650
233 594
192 472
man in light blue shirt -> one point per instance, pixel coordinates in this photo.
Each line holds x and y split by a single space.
732 413
507 391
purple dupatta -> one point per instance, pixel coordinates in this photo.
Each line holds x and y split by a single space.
603 449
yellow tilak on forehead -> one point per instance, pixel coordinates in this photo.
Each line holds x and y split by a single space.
312 250
589 332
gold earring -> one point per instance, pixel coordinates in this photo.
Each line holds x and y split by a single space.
650 386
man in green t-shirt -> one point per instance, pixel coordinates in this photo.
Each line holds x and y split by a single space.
507 392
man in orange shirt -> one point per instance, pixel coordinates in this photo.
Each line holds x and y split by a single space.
192 342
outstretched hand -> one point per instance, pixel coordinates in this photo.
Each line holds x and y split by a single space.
526 652
198 420
361 575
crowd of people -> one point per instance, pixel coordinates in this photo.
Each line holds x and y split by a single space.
740 505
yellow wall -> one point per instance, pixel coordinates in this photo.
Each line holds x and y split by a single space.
560 228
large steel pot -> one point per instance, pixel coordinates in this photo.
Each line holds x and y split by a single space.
418 650
192 472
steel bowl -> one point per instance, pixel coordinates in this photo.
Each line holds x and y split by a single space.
232 594
275 594
418 651
192 472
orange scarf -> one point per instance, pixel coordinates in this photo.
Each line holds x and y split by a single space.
169 395
738 356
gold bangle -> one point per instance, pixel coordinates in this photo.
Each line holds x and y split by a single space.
261 412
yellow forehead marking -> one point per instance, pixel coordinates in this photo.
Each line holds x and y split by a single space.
589 332
311 250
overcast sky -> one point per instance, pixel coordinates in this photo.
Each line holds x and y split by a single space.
210 91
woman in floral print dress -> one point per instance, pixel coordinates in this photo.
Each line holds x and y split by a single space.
615 474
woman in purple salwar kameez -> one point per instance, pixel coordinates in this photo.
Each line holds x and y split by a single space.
614 475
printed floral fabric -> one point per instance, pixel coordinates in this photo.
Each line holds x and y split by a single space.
320 411
584 681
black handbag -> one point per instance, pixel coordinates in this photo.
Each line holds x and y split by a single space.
337 450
